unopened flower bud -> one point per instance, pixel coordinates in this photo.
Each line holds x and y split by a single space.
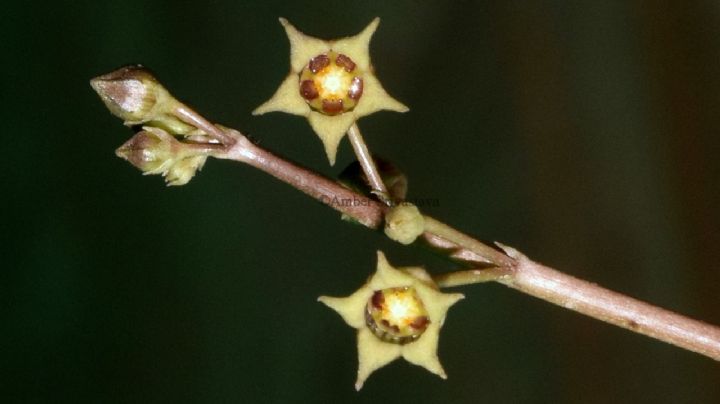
404 223
152 150
155 151
134 95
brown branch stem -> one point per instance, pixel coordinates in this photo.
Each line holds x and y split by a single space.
514 269
595 301
365 210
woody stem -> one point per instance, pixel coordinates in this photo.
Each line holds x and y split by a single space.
513 270
510 268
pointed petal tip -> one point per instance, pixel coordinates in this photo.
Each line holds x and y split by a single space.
263 109
331 147
328 301
397 106
381 256
370 29
283 21
331 152
437 370
454 298
383 267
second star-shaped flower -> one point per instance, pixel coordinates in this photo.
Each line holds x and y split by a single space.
331 83
398 312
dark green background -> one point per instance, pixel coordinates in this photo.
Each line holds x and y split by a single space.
584 133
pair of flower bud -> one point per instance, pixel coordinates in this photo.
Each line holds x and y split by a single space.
134 95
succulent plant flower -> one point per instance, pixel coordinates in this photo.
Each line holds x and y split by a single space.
398 312
331 83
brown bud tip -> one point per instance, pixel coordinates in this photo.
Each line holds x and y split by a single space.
130 93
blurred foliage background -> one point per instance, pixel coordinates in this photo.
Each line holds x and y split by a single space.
583 133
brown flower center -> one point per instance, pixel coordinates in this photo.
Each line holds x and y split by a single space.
396 315
331 83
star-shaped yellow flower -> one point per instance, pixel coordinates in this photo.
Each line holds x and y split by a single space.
331 83
398 312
